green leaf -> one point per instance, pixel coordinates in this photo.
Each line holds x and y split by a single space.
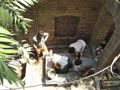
36 1
4 31
24 3
7 55
1 74
6 18
30 2
27 19
3 39
8 73
4 59
19 5
26 45
6 46
8 51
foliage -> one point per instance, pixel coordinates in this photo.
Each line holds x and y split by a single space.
11 18
8 74
11 14
8 49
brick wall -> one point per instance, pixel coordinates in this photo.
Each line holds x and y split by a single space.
45 12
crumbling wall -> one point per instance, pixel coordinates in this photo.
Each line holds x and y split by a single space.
45 13
113 46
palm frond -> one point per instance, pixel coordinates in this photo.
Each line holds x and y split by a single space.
6 20
11 17
8 46
8 73
8 49
11 14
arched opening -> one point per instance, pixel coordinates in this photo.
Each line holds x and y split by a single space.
66 26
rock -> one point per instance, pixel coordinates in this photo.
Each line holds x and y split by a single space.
71 76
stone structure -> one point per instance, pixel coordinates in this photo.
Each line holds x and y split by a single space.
112 7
